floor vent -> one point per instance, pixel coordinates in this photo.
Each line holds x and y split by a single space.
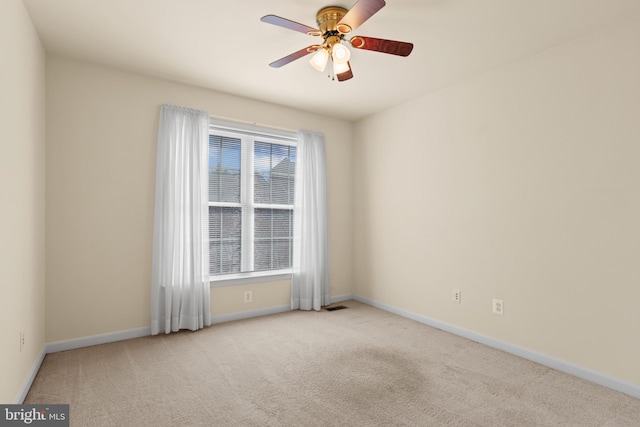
337 307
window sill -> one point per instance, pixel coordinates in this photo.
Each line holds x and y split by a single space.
254 277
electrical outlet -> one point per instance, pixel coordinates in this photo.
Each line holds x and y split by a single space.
498 306
248 296
456 295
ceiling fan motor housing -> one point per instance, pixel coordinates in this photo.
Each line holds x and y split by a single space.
328 19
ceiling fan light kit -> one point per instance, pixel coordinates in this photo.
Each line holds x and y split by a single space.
340 54
334 23
320 59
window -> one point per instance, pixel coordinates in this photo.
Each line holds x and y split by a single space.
251 191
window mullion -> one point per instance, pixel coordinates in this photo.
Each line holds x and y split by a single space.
219 189
221 258
272 206
247 203
271 165
271 245
288 175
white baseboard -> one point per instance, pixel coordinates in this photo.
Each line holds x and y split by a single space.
22 394
267 311
72 344
342 298
551 362
57 346
222 318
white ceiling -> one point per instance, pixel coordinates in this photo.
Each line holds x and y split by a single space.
222 45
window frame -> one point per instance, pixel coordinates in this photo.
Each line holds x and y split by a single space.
249 135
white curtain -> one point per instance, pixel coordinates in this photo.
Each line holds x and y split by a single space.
310 284
180 260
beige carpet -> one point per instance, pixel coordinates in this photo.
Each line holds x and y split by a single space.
355 367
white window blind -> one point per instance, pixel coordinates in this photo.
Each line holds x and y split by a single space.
251 190
225 208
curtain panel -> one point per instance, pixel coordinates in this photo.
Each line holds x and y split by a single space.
180 293
310 284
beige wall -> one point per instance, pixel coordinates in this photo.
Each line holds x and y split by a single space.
228 300
22 114
101 136
521 184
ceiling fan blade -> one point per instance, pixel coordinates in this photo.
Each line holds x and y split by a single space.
295 55
360 12
382 45
286 23
345 75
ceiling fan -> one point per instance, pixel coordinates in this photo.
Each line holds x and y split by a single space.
335 23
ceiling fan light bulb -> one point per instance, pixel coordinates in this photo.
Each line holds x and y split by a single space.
319 59
340 54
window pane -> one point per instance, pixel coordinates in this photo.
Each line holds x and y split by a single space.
292 186
273 234
224 169
262 172
262 255
225 230
280 174
274 172
262 223
281 223
281 254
